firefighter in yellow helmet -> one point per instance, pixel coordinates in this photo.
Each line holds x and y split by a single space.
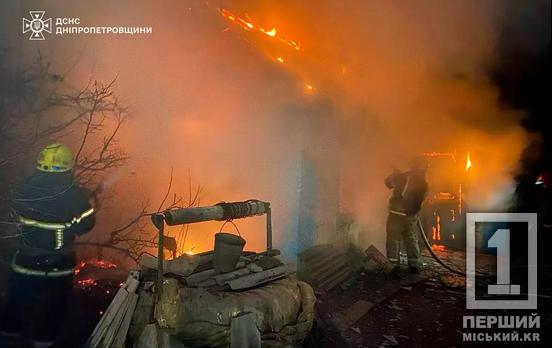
51 210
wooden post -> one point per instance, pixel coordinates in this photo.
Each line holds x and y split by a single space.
268 227
159 222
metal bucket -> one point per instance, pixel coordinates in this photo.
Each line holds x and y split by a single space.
228 249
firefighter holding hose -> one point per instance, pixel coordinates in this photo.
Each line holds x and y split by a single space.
409 190
51 210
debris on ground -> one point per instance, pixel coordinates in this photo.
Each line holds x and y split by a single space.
324 266
111 330
345 319
190 307
375 261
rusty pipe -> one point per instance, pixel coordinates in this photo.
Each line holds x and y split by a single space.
218 212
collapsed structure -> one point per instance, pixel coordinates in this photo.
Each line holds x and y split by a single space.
221 298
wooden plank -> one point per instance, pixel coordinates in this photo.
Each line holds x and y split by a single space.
320 260
107 318
143 314
116 323
254 279
132 282
197 278
336 280
121 335
324 271
114 307
373 253
222 279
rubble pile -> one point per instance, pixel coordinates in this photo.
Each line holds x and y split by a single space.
261 300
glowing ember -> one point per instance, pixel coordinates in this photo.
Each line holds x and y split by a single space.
438 247
444 196
248 25
86 282
79 267
309 88
468 162
102 264
280 59
438 154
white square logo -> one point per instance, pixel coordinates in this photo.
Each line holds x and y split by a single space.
500 239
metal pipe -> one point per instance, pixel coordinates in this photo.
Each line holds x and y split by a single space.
219 212
158 221
191 215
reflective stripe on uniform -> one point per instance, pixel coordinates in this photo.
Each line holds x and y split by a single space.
54 226
397 212
58 227
36 273
405 185
86 214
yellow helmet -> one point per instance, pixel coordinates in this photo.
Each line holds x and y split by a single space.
55 158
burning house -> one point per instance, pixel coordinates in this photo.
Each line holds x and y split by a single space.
444 211
306 105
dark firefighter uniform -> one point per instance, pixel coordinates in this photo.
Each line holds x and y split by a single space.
51 211
409 190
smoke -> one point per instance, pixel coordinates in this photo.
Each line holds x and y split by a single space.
389 80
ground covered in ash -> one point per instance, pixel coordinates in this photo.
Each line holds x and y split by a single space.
368 310
426 310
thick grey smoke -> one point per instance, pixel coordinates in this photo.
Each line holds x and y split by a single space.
395 78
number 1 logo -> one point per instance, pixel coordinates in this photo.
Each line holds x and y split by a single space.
501 241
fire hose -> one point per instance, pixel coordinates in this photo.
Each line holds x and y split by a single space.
426 242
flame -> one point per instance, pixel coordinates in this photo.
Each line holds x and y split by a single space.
468 162
247 24
102 264
436 230
438 247
271 33
309 88
79 267
280 59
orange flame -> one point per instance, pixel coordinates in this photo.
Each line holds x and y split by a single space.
271 33
79 267
247 24
468 162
